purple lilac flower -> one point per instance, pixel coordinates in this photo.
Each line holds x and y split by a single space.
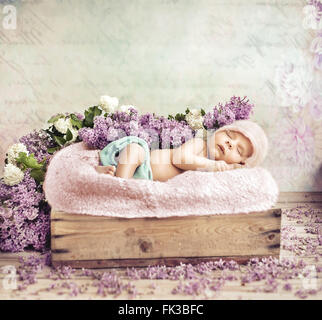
221 115
26 222
158 132
37 142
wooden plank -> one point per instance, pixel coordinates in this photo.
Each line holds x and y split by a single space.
230 290
78 237
170 262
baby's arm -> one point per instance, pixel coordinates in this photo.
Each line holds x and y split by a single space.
187 157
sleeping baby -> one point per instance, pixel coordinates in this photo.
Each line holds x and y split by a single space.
238 145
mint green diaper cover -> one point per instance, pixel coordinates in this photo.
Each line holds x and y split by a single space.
109 156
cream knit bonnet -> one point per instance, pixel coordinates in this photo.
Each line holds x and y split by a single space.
256 135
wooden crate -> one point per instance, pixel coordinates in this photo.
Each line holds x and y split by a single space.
89 241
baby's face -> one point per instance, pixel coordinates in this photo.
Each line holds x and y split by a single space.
229 146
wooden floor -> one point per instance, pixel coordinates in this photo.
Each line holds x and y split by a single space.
162 289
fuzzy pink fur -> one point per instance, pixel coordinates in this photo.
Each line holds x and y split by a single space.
73 185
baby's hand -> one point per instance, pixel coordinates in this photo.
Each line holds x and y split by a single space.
223 166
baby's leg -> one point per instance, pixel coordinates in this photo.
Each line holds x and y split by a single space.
130 158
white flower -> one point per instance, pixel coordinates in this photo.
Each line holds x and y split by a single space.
13 152
12 175
62 125
195 119
312 18
125 108
293 80
195 112
109 104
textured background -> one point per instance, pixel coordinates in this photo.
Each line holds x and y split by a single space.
165 55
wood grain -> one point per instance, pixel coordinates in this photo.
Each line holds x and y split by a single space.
144 241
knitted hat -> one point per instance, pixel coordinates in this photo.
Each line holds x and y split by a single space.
256 135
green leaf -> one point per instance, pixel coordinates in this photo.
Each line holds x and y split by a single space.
59 140
187 110
69 135
28 161
38 175
88 121
73 117
55 118
180 117
89 116
52 150
97 111
75 121
203 112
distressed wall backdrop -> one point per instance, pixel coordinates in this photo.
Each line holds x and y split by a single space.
165 55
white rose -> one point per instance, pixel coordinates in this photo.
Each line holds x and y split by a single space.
13 152
109 104
12 174
62 125
125 108
195 119
195 112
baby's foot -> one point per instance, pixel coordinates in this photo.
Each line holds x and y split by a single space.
106 169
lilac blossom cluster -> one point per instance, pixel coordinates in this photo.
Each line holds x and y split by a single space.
25 216
38 142
221 115
158 132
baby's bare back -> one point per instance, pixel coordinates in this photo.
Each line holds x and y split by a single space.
162 163
162 166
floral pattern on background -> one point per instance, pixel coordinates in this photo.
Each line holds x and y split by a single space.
294 78
296 138
296 145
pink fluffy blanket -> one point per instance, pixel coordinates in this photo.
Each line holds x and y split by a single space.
73 185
